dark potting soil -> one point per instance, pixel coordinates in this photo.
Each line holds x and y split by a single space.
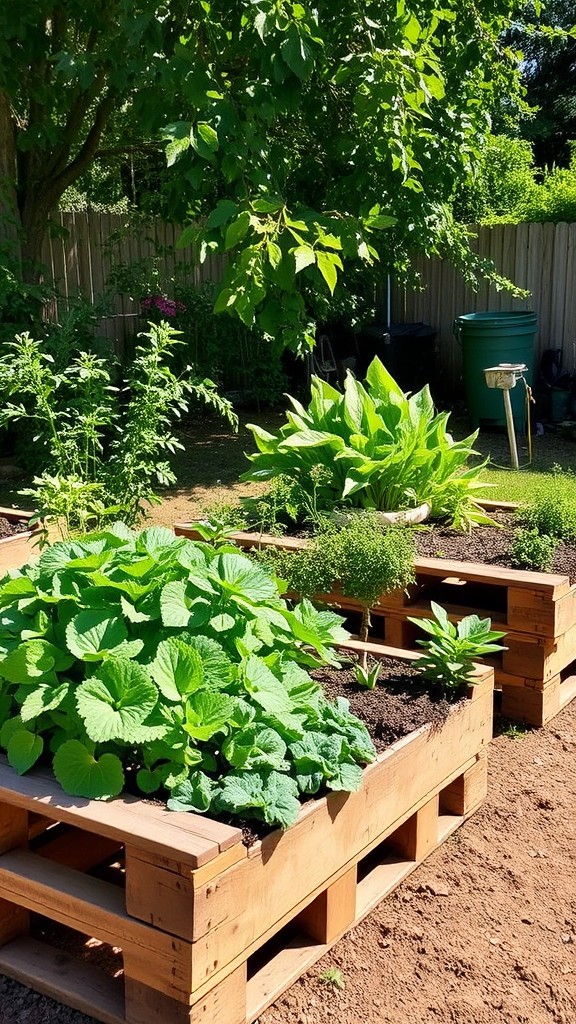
487 544
400 702
8 527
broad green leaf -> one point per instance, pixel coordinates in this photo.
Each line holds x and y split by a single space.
238 574
207 712
282 805
81 774
32 661
179 610
44 697
348 777
208 135
216 664
304 256
117 699
177 669
194 794
327 267
23 750
256 747
265 688
94 633
237 230
222 623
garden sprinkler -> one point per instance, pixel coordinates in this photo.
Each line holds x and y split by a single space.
505 376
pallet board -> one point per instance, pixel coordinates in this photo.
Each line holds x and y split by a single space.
536 610
212 932
15 551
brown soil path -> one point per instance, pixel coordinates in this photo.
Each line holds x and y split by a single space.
483 933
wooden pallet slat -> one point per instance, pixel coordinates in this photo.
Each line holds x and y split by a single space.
194 933
536 611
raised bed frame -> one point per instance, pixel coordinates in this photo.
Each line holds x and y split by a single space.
15 551
196 909
537 672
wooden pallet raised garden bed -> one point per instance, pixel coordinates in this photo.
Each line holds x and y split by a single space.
18 549
537 672
193 909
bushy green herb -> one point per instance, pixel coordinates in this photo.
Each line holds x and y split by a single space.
378 449
103 450
124 649
532 550
551 512
362 558
453 650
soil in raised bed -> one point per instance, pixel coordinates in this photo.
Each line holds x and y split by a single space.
9 527
486 544
400 703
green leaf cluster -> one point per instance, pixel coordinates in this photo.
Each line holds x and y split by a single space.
178 662
453 649
531 549
102 454
552 511
380 449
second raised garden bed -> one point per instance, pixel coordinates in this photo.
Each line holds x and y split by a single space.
537 672
17 548
192 909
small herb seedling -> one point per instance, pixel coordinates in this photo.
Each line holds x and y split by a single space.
333 976
452 651
367 677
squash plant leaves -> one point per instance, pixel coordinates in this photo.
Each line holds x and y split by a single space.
177 661
119 697
81 774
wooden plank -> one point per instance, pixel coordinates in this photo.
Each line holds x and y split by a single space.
82 902
553 584
418 836
161 892
78 849
468 791
530 610
69 981
17 550
333 911
256 895
126 818
14 827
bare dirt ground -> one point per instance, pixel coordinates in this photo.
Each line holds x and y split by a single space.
485 931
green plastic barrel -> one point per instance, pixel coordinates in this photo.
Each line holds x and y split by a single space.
487 339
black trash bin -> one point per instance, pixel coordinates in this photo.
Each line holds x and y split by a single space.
407 351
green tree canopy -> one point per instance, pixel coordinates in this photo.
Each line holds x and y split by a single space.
300 135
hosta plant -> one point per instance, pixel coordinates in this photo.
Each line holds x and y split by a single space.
380 449
452 650
177 664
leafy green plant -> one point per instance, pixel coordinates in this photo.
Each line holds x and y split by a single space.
362 559
453 650
367 677
104 449
378 449
176 664
532 550
333 976
552 512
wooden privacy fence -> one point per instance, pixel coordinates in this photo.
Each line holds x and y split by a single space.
539 257
86 251
86 248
